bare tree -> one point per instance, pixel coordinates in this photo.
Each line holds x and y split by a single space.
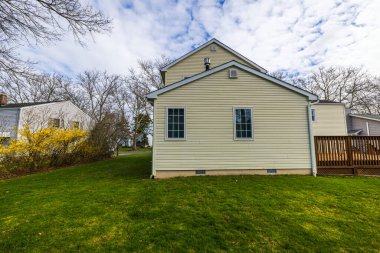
280 74
149 71
350 85
39 88
34 22
136 104
97 90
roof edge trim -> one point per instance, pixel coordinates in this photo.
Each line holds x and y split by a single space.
154 94
165 68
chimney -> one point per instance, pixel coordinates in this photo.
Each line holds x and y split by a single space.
207 62
3 99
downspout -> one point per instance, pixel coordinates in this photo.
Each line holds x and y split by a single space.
311 139
18 122
153 141
367 124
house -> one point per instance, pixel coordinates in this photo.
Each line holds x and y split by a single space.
220 113
329 118
38 115
128 142
364 124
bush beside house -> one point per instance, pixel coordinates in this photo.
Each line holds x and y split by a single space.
48 148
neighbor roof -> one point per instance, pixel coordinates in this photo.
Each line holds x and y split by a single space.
366 116
154 94
327 102
219 44
20 105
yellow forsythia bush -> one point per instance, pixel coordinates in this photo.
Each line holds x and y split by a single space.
49 147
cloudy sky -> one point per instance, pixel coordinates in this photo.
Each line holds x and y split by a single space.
292 35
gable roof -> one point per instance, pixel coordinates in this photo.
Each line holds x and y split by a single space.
154 94
20 105
219 44
366 116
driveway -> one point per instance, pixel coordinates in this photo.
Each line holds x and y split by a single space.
133 152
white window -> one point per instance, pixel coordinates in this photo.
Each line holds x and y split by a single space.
175 123
243 123
313 118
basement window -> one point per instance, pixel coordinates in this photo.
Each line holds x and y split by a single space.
175 122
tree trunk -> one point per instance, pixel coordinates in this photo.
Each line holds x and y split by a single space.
134 148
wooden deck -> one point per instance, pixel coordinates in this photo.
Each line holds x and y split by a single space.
353 155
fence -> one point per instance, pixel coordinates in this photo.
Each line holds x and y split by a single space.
347 155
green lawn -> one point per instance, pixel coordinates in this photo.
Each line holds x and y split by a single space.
113 206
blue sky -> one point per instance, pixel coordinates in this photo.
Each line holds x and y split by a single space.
292 35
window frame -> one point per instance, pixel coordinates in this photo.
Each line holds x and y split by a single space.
167 138
52 122
234 122
73 123
313 115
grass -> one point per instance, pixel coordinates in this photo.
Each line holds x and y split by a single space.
113 206
138 149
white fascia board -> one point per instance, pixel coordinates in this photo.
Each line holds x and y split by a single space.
330 104
364 117
154 94
219 44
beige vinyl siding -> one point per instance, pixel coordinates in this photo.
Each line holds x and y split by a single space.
330 120
281 138
194 63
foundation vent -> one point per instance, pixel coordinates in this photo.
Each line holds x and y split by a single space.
272 171
200 172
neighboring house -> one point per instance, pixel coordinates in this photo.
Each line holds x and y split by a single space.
14 117
129 142
363 124
220 113
329 118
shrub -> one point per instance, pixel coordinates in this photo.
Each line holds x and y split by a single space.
49 147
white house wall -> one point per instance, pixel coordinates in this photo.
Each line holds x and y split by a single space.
37 117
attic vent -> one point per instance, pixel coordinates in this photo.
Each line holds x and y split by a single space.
232 73
212 48
271 171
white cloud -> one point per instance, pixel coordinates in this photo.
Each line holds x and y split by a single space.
296 35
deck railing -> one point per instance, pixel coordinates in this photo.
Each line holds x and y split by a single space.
347 154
